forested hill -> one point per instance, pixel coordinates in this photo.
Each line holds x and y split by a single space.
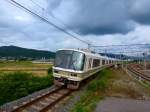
18 52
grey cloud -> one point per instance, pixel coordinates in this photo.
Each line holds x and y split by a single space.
101 17
107 29
140 11
53 4
94 19
105 16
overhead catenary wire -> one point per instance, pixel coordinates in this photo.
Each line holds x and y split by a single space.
13 2
59 28
37 4
123 52
130 48
53 16
146 44
132 52
44 9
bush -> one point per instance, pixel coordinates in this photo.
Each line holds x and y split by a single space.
80 108
17 85
100 83
50 70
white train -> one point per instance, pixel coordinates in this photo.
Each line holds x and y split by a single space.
73 66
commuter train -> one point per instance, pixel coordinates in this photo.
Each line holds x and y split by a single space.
72 66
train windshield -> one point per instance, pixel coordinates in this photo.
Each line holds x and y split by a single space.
70 60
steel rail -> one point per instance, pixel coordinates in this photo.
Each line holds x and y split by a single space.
138 73
47 100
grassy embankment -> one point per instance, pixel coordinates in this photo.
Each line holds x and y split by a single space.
19 84
94 92
110 83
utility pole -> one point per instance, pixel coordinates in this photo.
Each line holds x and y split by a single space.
145 66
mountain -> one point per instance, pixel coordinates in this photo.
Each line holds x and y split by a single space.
18 52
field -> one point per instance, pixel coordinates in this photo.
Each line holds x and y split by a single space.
24 66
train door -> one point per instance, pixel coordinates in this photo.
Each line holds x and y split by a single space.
90 63
101 62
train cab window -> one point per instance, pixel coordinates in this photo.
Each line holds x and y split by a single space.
68 59
63 58
77 62
103 62
96 62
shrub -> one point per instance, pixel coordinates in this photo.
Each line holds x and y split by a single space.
17 85
50 70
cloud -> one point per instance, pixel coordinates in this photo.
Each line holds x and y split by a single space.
97 16
140 35
140 11
103 17
102 22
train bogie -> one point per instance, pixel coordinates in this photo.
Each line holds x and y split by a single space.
69 83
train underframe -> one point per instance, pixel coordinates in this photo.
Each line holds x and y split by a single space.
69 83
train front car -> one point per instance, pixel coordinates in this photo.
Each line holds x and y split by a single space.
68 65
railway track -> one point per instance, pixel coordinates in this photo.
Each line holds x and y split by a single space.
40 103
137 71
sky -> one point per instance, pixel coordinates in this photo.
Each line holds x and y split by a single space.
99 22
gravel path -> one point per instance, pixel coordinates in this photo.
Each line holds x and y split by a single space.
113 104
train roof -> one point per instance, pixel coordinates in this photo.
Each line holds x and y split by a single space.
89 53
86 52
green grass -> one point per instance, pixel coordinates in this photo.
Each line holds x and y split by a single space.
146 84
94 92
16 85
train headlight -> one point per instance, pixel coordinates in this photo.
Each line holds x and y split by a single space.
75 75
55 71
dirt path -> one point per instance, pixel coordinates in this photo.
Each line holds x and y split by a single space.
123 86
123 105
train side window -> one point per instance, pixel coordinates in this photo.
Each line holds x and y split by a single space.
103 62
96 62
109 61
